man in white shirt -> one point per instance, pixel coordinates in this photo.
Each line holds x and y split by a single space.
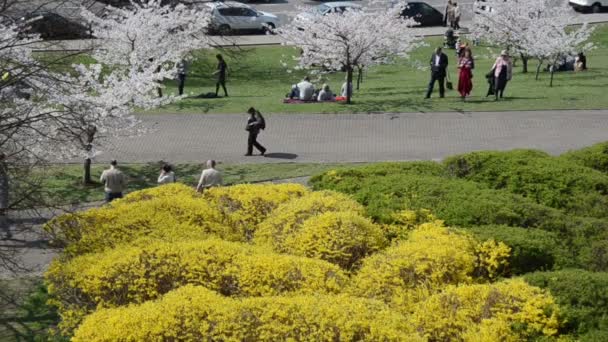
114 182
306 89
209 178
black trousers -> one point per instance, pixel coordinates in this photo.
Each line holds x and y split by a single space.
221 82
181 81
441 79
252 141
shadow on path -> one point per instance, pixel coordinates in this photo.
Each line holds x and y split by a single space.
281 155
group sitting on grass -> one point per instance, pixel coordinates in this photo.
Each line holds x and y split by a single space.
305 91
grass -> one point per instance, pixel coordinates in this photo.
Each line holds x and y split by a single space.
258 78
62 183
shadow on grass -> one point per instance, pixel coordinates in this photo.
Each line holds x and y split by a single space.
401 105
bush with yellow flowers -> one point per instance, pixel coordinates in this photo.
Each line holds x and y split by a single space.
129 274
505 311
244 206
196 314
431 258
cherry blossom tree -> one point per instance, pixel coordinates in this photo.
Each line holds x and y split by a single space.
350 40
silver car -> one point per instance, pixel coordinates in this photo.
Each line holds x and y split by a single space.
312 13
229 17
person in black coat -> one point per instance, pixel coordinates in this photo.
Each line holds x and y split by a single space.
255 123
439 64
221 75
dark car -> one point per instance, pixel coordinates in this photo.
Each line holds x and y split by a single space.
423 13
50 25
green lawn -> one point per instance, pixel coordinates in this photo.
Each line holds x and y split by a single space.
257 78
62 183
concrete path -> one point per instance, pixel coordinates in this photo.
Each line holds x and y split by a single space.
182 138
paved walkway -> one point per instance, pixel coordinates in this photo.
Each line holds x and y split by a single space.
358 137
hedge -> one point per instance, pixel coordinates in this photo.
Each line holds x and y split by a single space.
595 156
554 182
582 296
129 274
531 249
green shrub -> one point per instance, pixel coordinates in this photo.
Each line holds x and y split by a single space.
595 157
531 249
464 203
582 296
554 182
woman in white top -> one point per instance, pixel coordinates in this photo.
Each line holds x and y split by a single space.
166 175
344 89
325 94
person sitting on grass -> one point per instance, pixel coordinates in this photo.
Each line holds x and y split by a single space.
346 86
325 94
306 89
294 93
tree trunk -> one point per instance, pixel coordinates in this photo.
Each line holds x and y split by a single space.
524 63
91 131
4 195
87 172
551 81
540 63
349 81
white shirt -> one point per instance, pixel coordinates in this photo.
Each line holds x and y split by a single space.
165 178
343 90
114 180
306 90
209 179
325 96
437 59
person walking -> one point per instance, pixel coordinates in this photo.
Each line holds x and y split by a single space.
166 175
221 75
210 177
439 63
456 16
465 75
447 14
503 71
181 76
255 123
114 182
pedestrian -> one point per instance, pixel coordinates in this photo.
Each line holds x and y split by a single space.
210 177
503 71
465 76
114 182
166 175
456 16
439 63
255 123
181 76
447 14
221 75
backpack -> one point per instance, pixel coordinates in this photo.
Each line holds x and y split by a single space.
262 124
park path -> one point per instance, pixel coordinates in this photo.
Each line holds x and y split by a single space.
181 138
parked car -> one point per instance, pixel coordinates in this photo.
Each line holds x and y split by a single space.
423 13
595 6
228 17
312 13
50 25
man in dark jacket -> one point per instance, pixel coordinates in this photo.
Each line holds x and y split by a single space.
439 62
254 124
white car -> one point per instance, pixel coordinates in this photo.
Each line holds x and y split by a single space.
312 13
594 6
231 16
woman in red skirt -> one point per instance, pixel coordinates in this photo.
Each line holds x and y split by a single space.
465 77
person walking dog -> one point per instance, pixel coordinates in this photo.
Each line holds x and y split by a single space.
255 123
439 63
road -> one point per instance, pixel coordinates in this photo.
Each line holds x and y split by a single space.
181 138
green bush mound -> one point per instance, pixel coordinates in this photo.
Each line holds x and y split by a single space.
554 182
582 297
531 249
595 156
464 203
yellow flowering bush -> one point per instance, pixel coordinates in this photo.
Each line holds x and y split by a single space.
431 258
163 217
288 217
197 314
244 206
136 274
342 238
506 311
171 190
405 220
